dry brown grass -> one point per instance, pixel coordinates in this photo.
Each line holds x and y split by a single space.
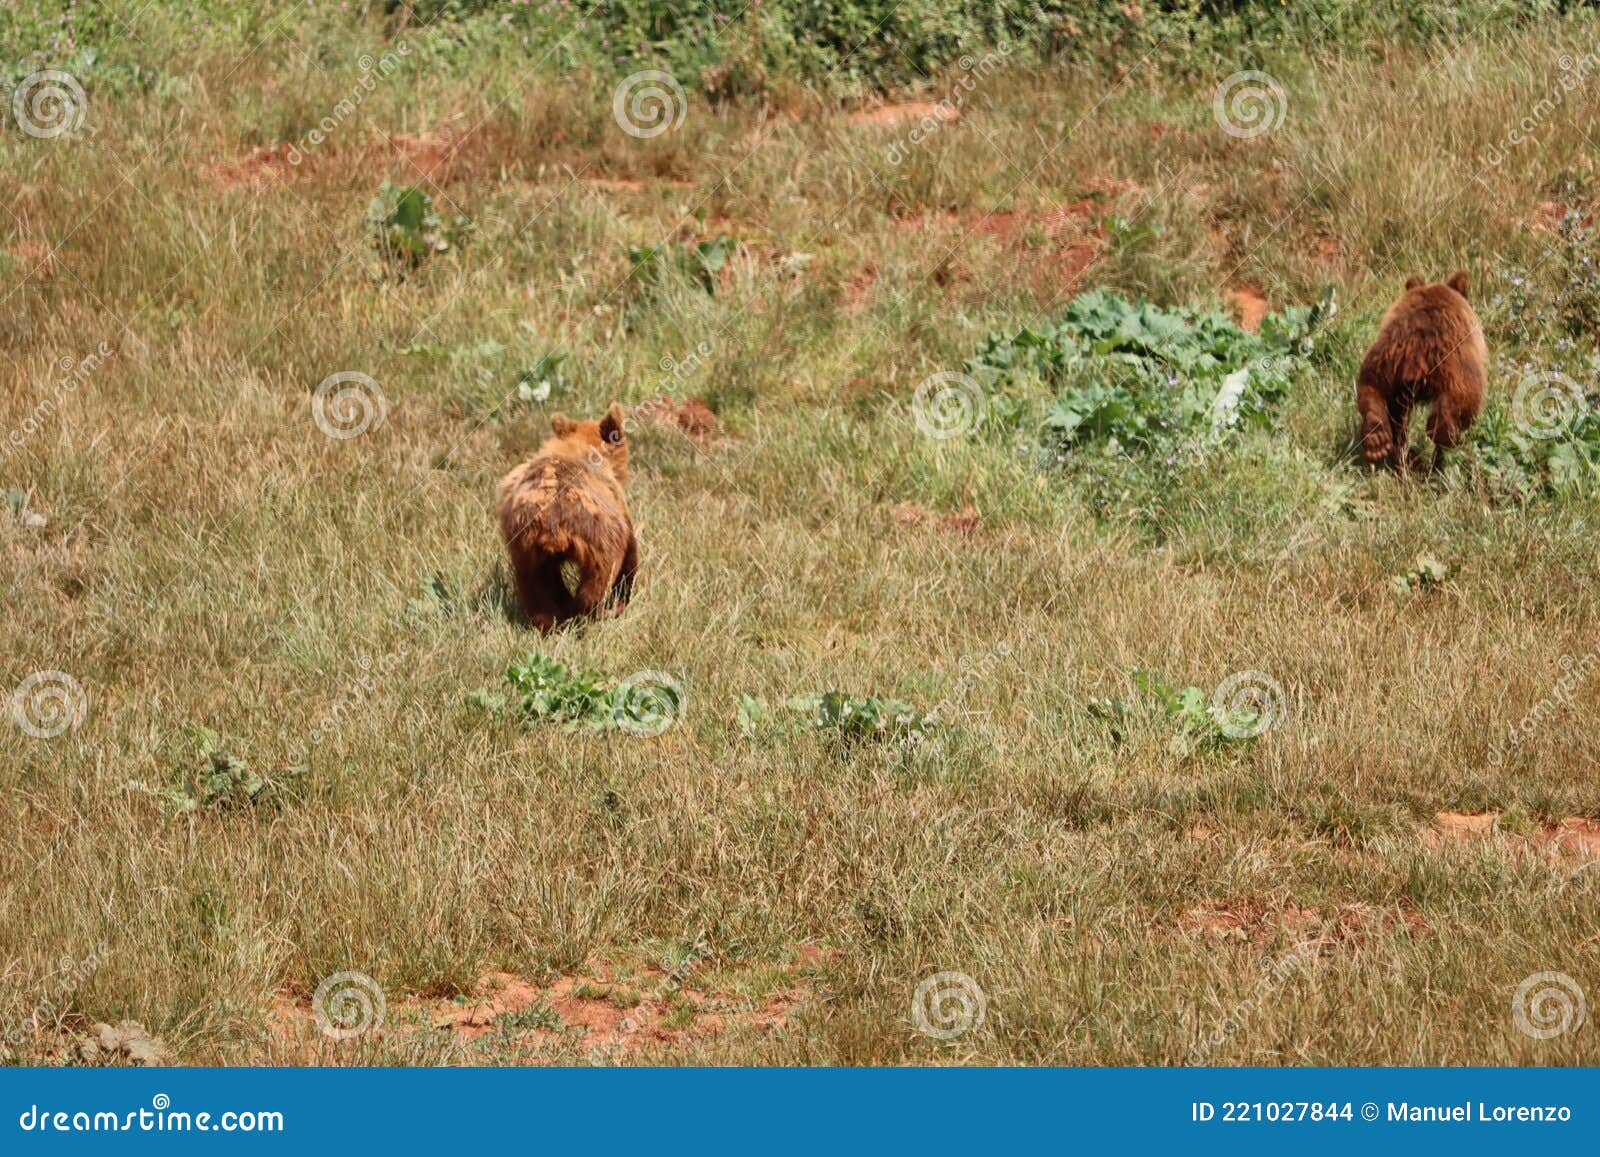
212 560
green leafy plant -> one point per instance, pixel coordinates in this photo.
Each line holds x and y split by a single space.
1426 572
1516 463
753 713
544 691
1200 724
699 262
542 379
854 719
404 227
1136 377
539 1015
222 779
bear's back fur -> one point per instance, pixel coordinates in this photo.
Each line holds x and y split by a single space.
1429 351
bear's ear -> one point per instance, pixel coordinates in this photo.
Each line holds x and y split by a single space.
1414 283
1458 282
611 426
562 425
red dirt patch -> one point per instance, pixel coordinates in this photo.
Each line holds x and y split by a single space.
517 1019
858 289
964 521
691 417
1072 242
34 258
1258 921
1573 838
633 184
1549 216
893 114
431 153
1250 305
930 220
1073 218
1112 186
263 165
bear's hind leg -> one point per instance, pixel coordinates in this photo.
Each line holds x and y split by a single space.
538 601
1377 439
1400 454
1448 420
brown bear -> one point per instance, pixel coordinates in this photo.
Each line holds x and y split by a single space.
565 521
1429 351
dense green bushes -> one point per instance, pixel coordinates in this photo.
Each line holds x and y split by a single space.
742 46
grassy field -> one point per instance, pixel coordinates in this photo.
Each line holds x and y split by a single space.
258 637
